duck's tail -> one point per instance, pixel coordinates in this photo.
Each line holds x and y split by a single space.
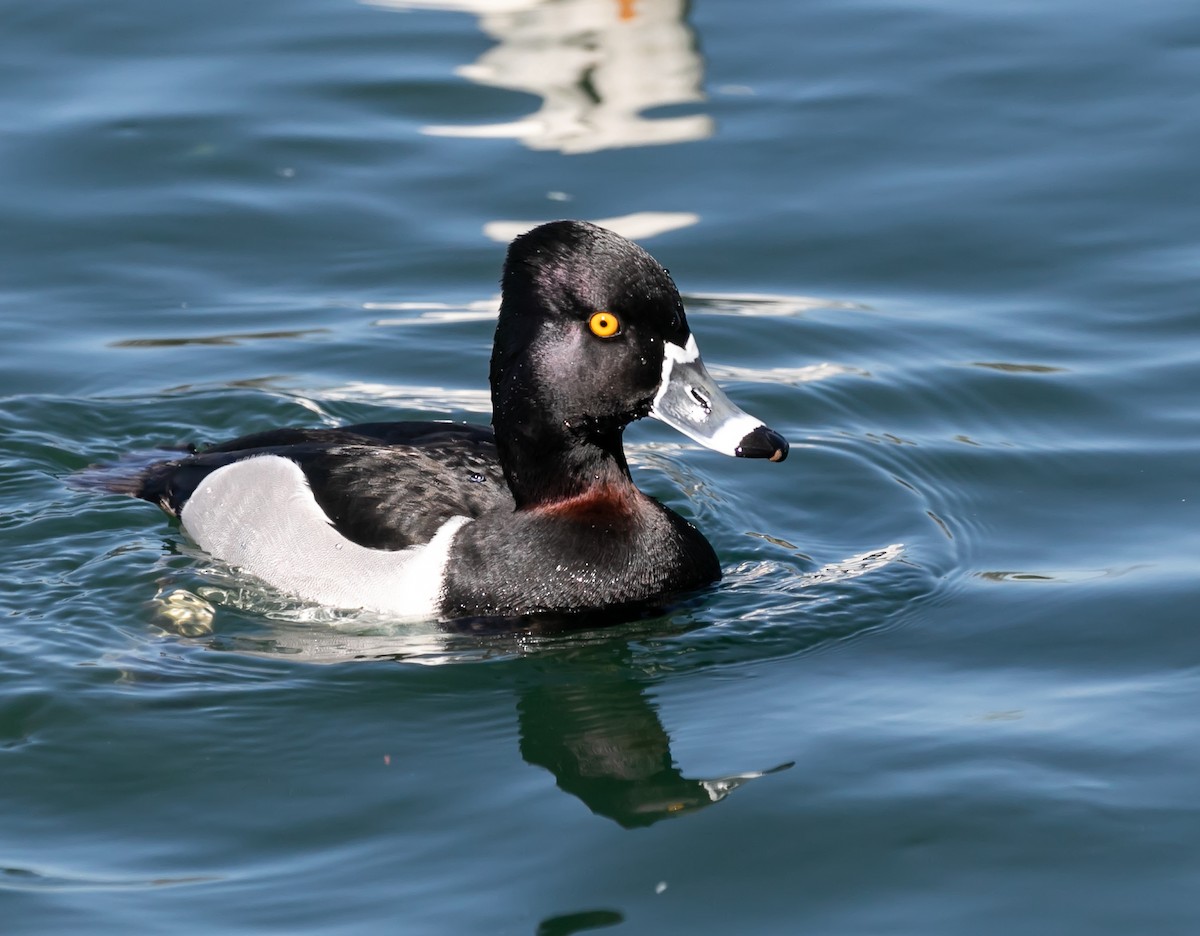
136 474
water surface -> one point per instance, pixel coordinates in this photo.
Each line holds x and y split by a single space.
948 683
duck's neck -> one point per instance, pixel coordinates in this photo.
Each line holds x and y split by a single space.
548 455
547 463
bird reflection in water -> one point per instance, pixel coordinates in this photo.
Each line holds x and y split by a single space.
584 704
596 729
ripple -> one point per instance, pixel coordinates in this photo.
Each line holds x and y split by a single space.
30 879
1065 576
785 376
640 225
227 340
767 305
566 924
435 313
432 399
1009 368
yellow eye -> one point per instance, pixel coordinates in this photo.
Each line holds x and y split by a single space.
604 324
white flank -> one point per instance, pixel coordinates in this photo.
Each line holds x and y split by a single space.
260 515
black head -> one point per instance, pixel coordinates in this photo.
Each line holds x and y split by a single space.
592 335
588 372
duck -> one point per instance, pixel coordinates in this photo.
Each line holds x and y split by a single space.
535 515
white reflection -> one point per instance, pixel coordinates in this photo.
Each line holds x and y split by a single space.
788 376
597 65
854 566
767 305
430 313
429 399
640 225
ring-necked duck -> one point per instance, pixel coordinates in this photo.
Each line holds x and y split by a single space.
537 514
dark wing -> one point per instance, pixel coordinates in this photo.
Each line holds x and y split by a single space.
383 485
389 497
389 433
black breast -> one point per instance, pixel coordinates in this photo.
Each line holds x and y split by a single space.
545 562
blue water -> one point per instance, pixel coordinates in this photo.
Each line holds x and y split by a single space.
949 681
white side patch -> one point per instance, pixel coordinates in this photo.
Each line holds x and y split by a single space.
259 514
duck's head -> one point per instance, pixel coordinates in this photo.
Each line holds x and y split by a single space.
592 335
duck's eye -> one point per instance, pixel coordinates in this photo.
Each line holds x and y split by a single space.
604 324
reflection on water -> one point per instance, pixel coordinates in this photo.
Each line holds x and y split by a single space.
640 225
1010 368
589 718
566 924
428 399
767 305
229 340
31 879
595 729
183 612
426 313
1066 576
597 65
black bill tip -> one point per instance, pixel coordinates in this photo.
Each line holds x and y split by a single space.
763 443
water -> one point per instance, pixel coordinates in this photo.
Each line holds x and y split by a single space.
948 249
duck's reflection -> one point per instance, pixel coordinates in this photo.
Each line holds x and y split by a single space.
584 705
597 65
600 735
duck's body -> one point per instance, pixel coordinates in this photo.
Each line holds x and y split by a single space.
539 514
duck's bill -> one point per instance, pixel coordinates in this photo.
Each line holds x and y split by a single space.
690 401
